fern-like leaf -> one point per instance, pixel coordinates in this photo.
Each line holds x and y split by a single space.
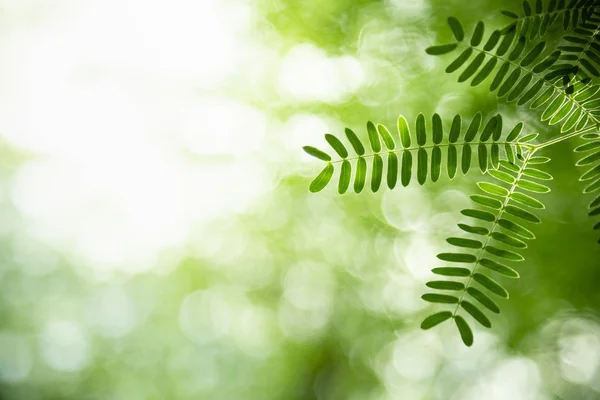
425 150
535 19
503 210
591 162
522 70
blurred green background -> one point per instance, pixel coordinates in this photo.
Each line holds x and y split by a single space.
159 241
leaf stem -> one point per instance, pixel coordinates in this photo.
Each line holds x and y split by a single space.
430 146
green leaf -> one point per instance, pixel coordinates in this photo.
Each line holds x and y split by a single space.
510 154
509 82
506 254
459 61
528 138
477 34
473 127
472 68
466 333
533 54
476 313
489 128
516 228
515 132
492 41
392 172
526 7
439 298
589 159
436 163
546 62
441 49
553 107
490 285
466 243
485 71
482 156
406 172
445 285
539 160
542 98
477 230
435 319
502 176
495 156
404 131
518 49
529 94
506 42
322 179
344 177
336 145
589 67
451 271
499 268
457 257
486 201
373 137
457 28
587 147
566 19
386 136
452 161
520 87
538 174
422 166
355 142
562 112
593 187
520 213
478 214
313 151
455 129
586 93
483 299
509 166
421 131
591 173
438 132
361 175
526 200
492 189
532 186
466 158
377 173
499 76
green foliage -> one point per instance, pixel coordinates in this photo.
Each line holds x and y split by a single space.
536 19
520 67
424 150
523 70
501 213
591 162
